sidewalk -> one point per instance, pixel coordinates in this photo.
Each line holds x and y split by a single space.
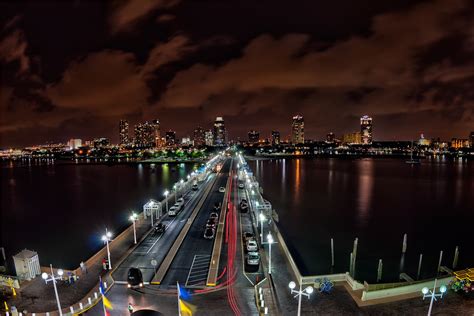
38 297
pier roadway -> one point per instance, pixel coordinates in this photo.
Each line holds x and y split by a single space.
191 264
149 254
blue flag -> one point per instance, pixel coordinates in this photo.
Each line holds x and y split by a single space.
183 293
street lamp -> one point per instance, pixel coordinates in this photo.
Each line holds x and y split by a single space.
175 192
262 218
53 278
270 242
433 294
166 199
133 218
306 292
107 238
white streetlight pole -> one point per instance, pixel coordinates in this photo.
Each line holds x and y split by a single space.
106 238
433 294
262 218
45 276
175 188
270 242
133 218
181 186
306 292
166 199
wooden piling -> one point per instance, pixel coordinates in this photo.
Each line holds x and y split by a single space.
379 271
332 252
404 246
419 266
456 257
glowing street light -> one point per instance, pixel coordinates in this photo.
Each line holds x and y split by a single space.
50 277
306 292
107 238
134 218
175 192
433 294
166 199
262 218
270 242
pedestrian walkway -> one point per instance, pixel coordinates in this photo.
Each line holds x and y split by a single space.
198 272
36 296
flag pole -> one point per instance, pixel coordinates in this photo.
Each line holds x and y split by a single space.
102 294
179 294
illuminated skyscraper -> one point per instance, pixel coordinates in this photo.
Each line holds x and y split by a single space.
254 137
297 130
199 137
366 130
209 138
275 137
123 132
155 125
145 135
170 138
330 138
219 132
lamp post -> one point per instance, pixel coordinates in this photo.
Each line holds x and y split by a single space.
166 199
53 278
306 292
270 242
106 238
428 293
133 218
175 192
181 182
262 218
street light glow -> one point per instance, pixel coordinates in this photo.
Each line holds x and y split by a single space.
424 290
309 289
166 193
292 285
270 238
44 275
60 272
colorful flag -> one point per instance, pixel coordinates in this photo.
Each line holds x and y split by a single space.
186 309
105 300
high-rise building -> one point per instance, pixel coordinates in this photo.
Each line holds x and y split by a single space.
254 137
457 143
352 138
101 142
170 138
186 141
366 130
199 137
330 138
155 126
209 137
123 132
74 143
145 135
424 141
219 132
297 130
275 137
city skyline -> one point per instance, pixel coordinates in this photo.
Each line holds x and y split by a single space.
161 61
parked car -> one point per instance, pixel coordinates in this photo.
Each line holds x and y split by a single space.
211 223
174 210
221 189
180 201
160 228
134 278
195 187
253 258
217 207
241 185
214 216
209 233
251 245
247 235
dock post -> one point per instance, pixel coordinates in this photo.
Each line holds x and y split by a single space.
379 271
404 247
332 252
456 256
439 262
419 266
351 261
354 256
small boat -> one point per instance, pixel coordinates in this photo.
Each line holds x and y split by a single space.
412 161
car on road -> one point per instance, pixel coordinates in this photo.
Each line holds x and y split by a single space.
180 201
247 235
195 187
241 185
251 245
159 228
217 207
174 210
211 223
214 216
134 278
244 206
253 258
221 189
209 233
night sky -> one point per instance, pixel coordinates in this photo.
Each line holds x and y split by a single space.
73 69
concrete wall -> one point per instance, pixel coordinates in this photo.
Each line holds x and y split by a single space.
403 290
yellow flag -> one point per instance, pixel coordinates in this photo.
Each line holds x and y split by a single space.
186 308
6 306
107 303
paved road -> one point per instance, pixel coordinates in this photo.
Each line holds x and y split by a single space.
195 251
156 246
